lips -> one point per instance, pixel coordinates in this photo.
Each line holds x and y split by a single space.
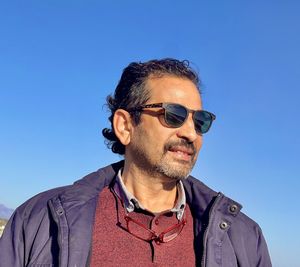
182 150
182 153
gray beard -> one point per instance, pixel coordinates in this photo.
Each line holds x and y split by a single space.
163 166
174 172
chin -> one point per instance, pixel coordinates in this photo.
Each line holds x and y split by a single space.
175 172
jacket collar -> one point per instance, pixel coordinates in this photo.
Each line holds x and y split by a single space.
198 195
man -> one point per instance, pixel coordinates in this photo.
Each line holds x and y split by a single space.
145 210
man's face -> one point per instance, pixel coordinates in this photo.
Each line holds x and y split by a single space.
158 149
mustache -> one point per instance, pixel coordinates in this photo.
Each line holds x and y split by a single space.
181 143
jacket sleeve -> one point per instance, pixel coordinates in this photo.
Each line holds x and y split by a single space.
249 244
12 243
263 256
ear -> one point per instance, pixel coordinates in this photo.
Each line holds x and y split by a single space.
122 126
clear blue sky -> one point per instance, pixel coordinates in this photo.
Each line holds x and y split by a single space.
60 59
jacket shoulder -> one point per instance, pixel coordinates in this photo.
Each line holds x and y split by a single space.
247 238
82 190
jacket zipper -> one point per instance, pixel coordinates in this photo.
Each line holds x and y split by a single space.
204 258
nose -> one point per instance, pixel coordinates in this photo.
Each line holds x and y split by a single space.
188 131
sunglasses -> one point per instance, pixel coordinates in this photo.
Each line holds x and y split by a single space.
175 116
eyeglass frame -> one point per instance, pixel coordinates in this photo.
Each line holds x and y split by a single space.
158 238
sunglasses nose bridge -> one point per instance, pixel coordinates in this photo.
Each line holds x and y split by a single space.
187 129
191 116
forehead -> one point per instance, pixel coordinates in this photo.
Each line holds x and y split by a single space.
175 90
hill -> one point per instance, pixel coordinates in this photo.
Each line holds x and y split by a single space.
5 212
2 225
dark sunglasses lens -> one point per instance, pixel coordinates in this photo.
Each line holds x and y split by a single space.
203 121
175 115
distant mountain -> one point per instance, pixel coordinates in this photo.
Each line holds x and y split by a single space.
5 212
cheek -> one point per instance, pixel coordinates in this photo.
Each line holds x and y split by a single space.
157 131
198 143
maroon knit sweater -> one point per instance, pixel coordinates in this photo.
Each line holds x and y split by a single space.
113 245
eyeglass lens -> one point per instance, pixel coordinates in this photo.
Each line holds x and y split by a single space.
203 121
139 230
175 116
172 233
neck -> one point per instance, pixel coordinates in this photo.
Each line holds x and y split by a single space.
156 193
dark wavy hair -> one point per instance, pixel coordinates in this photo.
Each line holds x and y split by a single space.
132 91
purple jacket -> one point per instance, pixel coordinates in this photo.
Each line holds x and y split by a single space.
54 228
